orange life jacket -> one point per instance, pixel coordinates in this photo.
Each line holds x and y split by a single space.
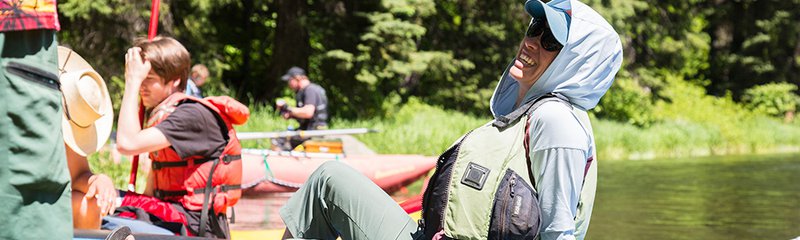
186 180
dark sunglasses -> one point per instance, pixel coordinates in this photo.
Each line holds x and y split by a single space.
539 27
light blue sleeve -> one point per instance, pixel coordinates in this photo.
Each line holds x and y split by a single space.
560 147
559 183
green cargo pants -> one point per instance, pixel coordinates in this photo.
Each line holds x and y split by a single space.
337 200
34 179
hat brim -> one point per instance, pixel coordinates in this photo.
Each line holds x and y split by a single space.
85 140
91 139
69 60
557 20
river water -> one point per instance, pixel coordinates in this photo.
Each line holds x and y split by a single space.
733 197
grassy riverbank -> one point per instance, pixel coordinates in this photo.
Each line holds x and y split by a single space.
680 138
416 128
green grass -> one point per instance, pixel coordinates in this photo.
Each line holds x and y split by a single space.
119 172
414 128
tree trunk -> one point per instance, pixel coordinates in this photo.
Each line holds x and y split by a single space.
291 46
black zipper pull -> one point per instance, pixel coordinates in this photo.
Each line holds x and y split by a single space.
513 183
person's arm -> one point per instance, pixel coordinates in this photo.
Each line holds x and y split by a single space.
559 184
305 112
79 170
131 138
97 186
559 149
151 181
311 99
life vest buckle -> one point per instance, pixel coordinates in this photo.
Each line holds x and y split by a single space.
230 158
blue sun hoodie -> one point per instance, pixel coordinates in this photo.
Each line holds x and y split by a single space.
561 137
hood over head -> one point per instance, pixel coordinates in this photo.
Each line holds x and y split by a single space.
583 70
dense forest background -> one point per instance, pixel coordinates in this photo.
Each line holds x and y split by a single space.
373 56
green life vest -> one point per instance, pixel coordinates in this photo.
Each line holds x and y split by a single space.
483 186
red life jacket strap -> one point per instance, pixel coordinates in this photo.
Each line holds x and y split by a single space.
226 159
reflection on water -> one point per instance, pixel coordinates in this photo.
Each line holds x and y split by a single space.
739 197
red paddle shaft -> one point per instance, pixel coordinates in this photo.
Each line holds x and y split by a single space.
150 35
153 20
135 162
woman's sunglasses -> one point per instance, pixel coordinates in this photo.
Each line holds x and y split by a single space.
539 27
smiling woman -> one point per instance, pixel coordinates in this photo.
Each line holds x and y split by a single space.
536 52
554 88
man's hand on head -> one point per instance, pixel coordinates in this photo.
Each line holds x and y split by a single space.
136 69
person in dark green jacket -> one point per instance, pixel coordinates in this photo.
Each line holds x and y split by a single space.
34 179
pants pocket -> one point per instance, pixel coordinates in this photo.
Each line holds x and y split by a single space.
35 143
516 212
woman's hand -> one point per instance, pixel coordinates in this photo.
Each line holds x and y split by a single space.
102 189
136 69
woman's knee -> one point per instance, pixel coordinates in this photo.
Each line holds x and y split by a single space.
85 212
331 172
330 169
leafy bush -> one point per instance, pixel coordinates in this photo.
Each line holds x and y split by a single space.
627 101
774 99
693 123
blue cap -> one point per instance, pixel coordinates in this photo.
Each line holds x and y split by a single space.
557 19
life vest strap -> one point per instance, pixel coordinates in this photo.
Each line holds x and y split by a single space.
226 159
161 194
220 188
230 158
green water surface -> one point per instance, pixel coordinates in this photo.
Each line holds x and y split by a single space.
736 197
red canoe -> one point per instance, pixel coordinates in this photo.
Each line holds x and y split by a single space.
287 173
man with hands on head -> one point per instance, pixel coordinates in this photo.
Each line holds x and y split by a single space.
187 137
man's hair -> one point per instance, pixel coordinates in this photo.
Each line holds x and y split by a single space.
199 70
169 59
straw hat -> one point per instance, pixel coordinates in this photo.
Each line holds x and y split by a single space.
88 113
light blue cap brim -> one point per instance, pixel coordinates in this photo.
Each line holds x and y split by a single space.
558 20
